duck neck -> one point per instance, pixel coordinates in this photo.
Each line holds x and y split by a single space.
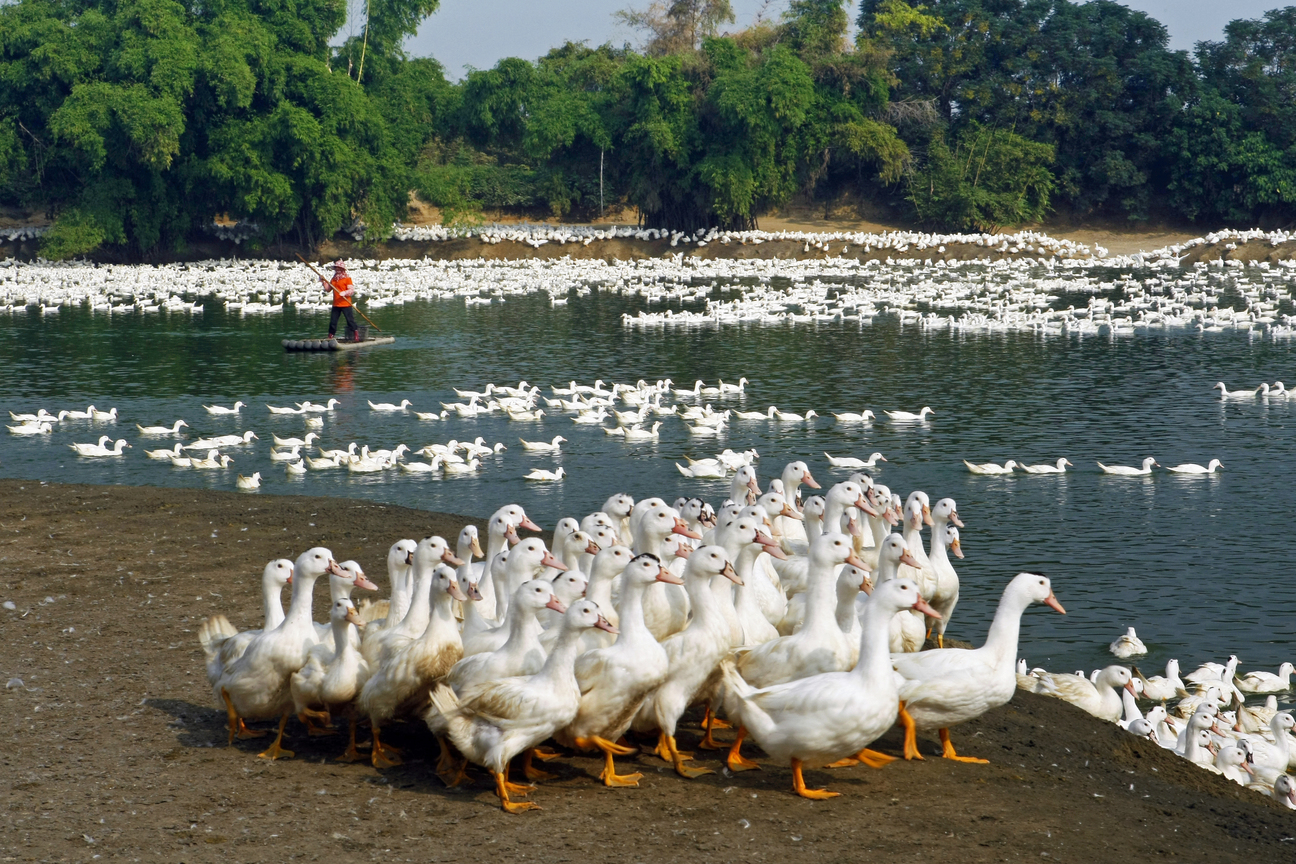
341 638
303 595
599 590
441 624
1001 641
560 663
271 603
416 617
936 553
846 597
745 596
873 669
630 613
821 600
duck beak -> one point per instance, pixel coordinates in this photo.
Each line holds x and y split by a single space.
664 575
354 618
472 592
1053 601
867 585
856 561
954 518
1129 685
592 548
683 550
456 593
528 524
409 559
809 481
920 605
336 570
789 510
604 624
854 528
772 546
362 582
907 558
511 536
682 528
927 520
731 574
555 604
452 559
550 561
863 505
476 549
958 549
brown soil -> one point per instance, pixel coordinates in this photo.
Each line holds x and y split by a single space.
114 748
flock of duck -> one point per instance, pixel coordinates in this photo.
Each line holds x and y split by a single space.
1046 293
1252 745
802 623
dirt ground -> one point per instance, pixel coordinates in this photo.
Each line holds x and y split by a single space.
113 749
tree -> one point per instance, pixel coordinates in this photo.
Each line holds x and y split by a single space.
672 26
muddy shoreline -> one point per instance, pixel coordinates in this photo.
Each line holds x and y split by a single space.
114 748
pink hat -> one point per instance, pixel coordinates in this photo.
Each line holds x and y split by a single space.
339 264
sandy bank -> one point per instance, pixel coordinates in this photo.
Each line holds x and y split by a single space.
113 747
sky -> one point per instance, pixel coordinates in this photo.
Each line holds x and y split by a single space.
478 33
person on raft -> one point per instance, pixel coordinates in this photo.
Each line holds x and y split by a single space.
342 289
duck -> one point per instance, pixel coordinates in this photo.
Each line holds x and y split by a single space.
210 463
296 442
740 387
793 417
697 429
605 570
1098 698
693 654
275 410
77 415
333 675
666 607
525 562
1128 645
1226 393
469 467
1127 471
256 685
97 451
991 467
42 416
853 462
706 469
222 643
1271 755
163 455
635 433
849 417
495 721
908 416
1161 689
311 407
524 416
756 415
944 539
295 469
947 686
388 406
323 463
553 446
92 449
220 409
1194 468
431 415
340 588
819 646
819 719
409 608
1058 467
591 418
1266 682
248 483
1231 761
31 429
400 684
109 416
541 475
521 652
173 429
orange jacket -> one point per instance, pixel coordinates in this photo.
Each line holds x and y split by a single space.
342 284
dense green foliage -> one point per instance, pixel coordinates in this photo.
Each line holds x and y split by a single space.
133 123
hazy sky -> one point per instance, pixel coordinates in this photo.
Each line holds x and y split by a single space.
479 32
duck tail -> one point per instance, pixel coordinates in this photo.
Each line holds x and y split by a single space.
370 612
683 470
212 633
1140 675
448 719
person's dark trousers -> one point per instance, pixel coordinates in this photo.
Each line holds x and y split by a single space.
336 313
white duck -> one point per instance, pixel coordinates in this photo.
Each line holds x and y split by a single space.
276 410
525 561
615 680
98 450
400 685
1162 688
1098 698
1127 471
637 434
1193 468
388 406
944 539
853 462
553 446
948 686
991 467
294 441
92 449
819 646
333 675
907 632
309 406
161 430
220 409
1128 645
850 417
1058 467
1266 682
256 685
1226 393
222 644
541 475
1270 758
379 644
495 721
694 654
908 416
666 607
817 720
